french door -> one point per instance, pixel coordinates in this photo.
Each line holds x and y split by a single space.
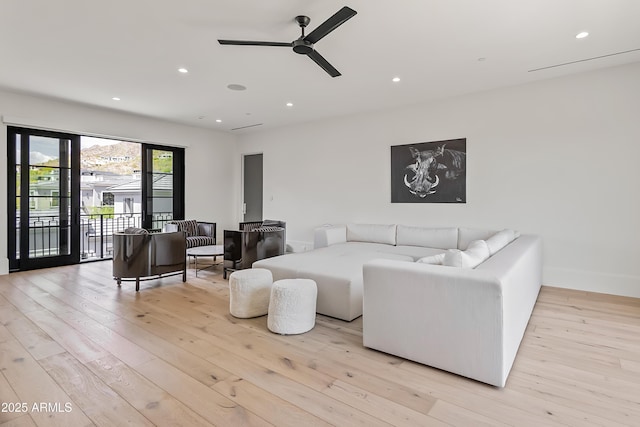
162 185
51 223
44 201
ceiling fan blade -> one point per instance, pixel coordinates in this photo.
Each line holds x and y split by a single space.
339 18
253 43
319 59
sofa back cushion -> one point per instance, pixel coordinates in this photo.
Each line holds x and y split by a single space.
439 238
468 235
476 253
372 233
328 235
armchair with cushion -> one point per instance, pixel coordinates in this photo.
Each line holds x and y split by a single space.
254 241
198 233
139 255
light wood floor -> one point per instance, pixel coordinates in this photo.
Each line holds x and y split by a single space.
171 354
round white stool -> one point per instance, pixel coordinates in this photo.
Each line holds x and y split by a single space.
249 292
292 308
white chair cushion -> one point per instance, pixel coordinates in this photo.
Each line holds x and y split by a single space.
441 238
476 253
372 233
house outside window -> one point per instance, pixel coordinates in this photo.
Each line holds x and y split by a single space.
128 205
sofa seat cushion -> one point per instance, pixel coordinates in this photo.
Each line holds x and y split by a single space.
415 252
350 248
343 259
433 259
337 271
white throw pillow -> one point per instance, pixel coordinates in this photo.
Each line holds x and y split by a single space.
440 238
433 259
468 235
372 233
476 253
500 240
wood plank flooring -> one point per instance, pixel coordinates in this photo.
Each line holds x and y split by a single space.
77 350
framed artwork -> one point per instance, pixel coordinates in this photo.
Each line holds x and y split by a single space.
429 172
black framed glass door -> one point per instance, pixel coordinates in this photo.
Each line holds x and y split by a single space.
53 221
163 185
44 202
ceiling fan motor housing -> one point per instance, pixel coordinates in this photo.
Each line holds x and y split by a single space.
302 46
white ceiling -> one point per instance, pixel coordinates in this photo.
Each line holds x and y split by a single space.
89 51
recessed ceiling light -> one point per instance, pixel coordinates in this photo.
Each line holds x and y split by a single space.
234 86
582 35
395 79
289 104
115 98
218 121
183 70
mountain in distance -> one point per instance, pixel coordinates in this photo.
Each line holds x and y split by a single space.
36 158
121 158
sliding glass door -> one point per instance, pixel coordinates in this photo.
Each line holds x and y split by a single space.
44 183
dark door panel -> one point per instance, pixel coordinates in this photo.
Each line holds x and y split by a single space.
44 201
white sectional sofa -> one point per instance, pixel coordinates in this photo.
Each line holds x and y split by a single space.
336 263
466 321
467 316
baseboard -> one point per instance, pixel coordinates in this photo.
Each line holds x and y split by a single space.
592 281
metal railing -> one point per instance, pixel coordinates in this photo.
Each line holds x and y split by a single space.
96 231
48 237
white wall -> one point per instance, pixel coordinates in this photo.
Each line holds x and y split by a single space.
209 195
557 158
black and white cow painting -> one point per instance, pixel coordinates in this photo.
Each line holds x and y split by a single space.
429 172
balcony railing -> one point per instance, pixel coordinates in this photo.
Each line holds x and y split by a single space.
96 233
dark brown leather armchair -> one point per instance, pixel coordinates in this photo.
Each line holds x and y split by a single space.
254 241
138 255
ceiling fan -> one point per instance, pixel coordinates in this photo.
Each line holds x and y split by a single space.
304 44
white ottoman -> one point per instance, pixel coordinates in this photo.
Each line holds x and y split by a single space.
249 292
292 308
